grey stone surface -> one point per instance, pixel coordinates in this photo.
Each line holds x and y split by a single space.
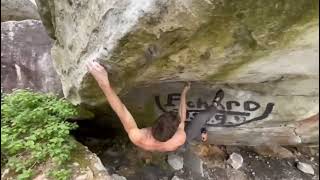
193 163
26 59
278 127
17 10
98 165
118 177
242 47
175 178
175 161
88 175
235 160
133 40
306 168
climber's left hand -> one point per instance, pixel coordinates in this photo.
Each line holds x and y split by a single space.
98 72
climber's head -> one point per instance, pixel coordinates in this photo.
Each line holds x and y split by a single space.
166 126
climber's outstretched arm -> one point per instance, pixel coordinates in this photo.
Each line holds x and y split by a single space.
183 106
101 76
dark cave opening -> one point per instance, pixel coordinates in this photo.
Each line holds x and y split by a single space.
90 128
97 135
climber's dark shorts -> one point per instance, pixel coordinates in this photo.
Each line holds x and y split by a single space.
197 125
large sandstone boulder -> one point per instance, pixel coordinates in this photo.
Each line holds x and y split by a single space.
26 58
17 10
262 54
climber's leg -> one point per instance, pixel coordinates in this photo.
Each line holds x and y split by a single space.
193 129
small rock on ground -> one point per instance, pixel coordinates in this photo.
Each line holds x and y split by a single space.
176 178
175 161
306 168
118 177
235 160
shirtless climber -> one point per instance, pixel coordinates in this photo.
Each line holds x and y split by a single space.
167 134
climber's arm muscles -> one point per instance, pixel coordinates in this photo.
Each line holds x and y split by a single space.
101 76
124 115
183 107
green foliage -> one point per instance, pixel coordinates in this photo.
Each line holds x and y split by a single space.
33 130
62 174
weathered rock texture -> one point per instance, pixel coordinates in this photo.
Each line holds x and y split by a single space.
262 54
25 57
17 10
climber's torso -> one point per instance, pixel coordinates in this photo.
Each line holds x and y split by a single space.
143 138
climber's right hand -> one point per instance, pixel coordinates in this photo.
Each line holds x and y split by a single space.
98 72
187 86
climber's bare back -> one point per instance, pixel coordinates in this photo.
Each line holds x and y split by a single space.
143 138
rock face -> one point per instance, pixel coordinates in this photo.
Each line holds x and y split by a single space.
17 10
87 166
117 177
262 54
25 57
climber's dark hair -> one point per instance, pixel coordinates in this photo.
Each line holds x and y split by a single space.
166 126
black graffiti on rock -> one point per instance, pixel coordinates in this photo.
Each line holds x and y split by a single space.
226 116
